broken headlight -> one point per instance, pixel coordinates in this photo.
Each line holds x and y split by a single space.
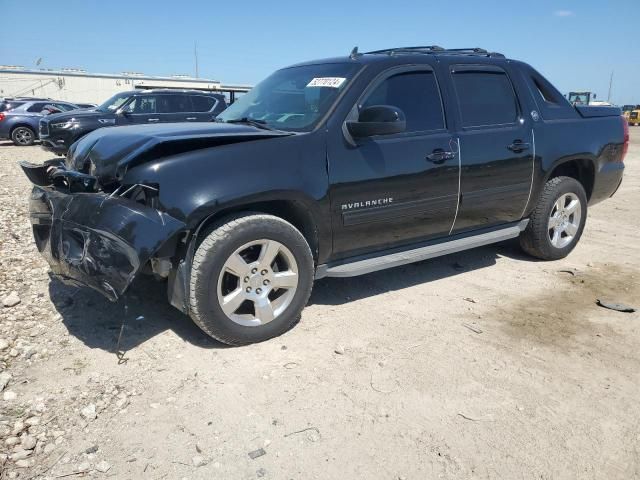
145 194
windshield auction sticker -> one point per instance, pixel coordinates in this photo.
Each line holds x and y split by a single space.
331 82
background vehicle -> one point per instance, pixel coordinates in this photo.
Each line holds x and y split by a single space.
632 114
58 132
585 98
6 105
20 124
337 167
86 105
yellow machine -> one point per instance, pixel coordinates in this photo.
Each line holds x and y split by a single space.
631 113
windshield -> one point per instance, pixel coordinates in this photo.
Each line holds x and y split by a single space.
293 98
114 102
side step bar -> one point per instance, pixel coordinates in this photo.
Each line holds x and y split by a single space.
361 267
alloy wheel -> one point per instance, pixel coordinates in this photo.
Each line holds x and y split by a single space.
23 136
257 282
564 220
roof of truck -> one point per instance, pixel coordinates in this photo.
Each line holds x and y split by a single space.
421 51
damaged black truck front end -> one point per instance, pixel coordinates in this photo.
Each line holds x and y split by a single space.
92 237
126 200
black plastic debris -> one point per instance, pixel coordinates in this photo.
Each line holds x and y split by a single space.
618 307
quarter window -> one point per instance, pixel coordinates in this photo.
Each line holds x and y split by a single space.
416 93
485 98
202 103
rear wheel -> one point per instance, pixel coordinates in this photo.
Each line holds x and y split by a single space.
556 224
23 136
251 278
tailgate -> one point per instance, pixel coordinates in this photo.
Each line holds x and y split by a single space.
590 111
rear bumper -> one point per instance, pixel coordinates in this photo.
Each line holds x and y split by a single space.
94 239
606 182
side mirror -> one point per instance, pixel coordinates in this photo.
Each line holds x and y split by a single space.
378 120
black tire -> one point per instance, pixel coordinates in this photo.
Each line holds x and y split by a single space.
23 136
536 239
222 241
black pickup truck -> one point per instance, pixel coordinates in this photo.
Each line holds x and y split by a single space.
330 168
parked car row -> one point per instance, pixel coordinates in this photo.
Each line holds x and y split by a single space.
57 132
19 116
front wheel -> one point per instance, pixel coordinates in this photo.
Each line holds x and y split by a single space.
23 136
251 278
556 224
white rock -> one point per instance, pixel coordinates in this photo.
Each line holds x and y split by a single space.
198 461
83 467
4 344
4 380
11 441
103 466
11 300
89 412
50 447
31 421
23 464
28 442
20 455
9 396
18 427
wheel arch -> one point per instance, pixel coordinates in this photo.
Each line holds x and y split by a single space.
294 211
23 124
581 169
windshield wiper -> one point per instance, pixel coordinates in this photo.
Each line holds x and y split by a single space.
253 122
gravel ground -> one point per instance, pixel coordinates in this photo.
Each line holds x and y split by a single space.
383 378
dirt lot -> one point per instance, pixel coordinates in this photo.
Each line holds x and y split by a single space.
380 380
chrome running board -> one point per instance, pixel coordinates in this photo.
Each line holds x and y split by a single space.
368 265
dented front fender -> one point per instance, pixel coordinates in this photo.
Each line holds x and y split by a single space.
98 240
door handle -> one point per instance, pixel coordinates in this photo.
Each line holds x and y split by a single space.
440 156
518 146
191 118
153 119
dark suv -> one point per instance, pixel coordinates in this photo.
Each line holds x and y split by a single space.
58 132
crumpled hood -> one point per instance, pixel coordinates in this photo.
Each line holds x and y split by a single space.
108 152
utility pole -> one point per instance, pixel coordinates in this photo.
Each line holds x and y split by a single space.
195 53
610 86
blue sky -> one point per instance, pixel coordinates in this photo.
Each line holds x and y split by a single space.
575 43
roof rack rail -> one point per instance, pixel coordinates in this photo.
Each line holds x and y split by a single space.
435 49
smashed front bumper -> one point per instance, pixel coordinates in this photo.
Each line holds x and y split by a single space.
94 239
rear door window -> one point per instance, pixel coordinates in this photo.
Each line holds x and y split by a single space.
485 96
174 104
416 93
36 107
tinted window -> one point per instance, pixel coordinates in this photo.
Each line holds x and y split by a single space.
36 107
416 94
174 104
485 98
202 103
142 105
64 106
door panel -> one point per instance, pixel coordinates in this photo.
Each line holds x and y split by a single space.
496 148
385 191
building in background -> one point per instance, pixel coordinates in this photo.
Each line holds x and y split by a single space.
75 85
